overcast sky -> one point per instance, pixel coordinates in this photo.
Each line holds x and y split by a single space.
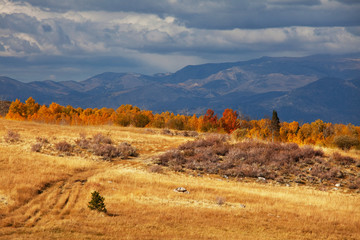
76 39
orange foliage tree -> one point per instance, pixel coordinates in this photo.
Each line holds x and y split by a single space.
208 122
17 111
229 120
317 132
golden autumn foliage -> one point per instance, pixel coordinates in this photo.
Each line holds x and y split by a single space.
315 133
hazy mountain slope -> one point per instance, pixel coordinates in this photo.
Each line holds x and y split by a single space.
289 85
11 89
114 82
329 99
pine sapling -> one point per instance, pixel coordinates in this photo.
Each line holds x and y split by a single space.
97 202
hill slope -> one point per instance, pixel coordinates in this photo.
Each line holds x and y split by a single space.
44 195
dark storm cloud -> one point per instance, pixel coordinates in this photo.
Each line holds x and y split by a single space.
350 2
274 14
18 22
46 28
273 19
213 14
144 6
67 38
297 2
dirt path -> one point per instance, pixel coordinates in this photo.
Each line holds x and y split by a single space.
59 199
56 199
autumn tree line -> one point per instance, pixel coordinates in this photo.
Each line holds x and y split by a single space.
315 133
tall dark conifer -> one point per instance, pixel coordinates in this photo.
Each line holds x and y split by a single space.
275 126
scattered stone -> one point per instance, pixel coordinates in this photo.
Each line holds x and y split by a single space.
242 205
261 179
181 190
338 185
225 176
335 189
288 185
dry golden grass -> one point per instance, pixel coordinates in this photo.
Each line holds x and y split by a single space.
45 196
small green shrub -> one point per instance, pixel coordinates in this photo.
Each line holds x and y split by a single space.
97 202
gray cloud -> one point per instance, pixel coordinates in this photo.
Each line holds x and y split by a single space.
47 28
350 2
15 22
354 30
296 2
213 14
64 38
64 68
19 45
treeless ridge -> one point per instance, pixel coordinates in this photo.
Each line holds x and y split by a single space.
45 195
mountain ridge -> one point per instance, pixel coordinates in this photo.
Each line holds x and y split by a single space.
293 86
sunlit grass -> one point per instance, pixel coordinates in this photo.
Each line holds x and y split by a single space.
45 196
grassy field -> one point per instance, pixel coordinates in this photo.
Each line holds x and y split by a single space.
44 195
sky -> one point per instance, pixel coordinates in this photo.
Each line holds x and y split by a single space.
76 39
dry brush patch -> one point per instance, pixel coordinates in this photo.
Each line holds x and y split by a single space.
282 163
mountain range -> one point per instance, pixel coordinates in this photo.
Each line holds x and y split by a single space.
303 89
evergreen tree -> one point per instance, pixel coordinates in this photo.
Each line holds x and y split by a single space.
97 202
275 126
